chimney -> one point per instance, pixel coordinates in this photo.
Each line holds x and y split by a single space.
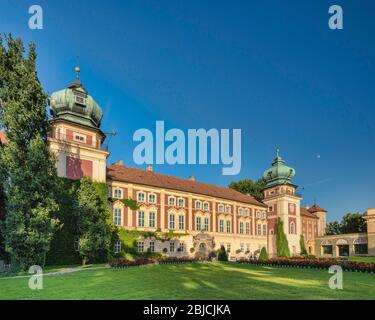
149 168
191 178
119 163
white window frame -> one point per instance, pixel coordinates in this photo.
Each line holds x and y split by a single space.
240 211
170 202
141 246
206 224
115 193
183 202
117 247
221 225
259 229
241 227
228 226
247 212
196 204
228 209
264 229
206 206
149 198
247 227
171 221
153 219
141 217
171 247
181 222
293 228
221 208
151 246
117 216
198 226
139 193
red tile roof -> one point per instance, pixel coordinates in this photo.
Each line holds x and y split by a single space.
3 138
316 208
306 213
118 172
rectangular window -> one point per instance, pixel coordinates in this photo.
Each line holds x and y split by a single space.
152 246
206 224
181 247
247 228
171 246
229 229
141 197
259 229
151 220
221 225
151 198
206 206
327 249
221 208
141 219
172 201
117 247
141 246
181 203
117 217
198 223
79 137
198 205
171 221
118 194
181 222
241 227
264 230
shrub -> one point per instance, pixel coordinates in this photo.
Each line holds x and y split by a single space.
222 254
263 254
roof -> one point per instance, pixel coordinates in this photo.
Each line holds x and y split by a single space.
3 138
305 212
150 178
316 208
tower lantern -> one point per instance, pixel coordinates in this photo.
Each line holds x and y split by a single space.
76 137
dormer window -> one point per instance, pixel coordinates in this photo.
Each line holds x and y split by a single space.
80 100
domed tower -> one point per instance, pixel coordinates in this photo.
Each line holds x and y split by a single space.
283 202
76 137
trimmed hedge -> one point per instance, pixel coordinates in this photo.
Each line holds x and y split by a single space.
124 263
314 264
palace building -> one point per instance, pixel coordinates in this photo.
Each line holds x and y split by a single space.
207 216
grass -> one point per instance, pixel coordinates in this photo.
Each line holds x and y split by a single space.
363 259
193 281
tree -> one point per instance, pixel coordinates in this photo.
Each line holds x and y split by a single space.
282 246
353 223
350 223
28 174
333 228
263 254
93 221
302 245
247 186
222 254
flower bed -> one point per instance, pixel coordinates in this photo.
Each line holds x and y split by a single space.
124 263
314 264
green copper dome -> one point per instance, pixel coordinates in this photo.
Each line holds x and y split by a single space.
76 105
279 173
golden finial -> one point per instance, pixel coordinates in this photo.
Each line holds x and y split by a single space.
78 70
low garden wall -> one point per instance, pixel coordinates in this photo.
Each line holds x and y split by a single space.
124 263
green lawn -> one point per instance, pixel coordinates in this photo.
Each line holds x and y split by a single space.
363 259
193 281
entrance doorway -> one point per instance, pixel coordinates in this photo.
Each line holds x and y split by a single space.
343 250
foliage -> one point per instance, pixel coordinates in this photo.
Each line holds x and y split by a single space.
350 223
315 263
28 174
302 245
282 246
247 186
222 255
93 222
263 254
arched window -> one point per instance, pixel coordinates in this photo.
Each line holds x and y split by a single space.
171 201
181 202
292 228
227 209
152 198
206 206
141 196
198 205
221 208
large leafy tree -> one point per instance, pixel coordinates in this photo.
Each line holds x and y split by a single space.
27 168
93 221
247 186
350 223
282 246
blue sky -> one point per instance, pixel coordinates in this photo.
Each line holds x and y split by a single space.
273 69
